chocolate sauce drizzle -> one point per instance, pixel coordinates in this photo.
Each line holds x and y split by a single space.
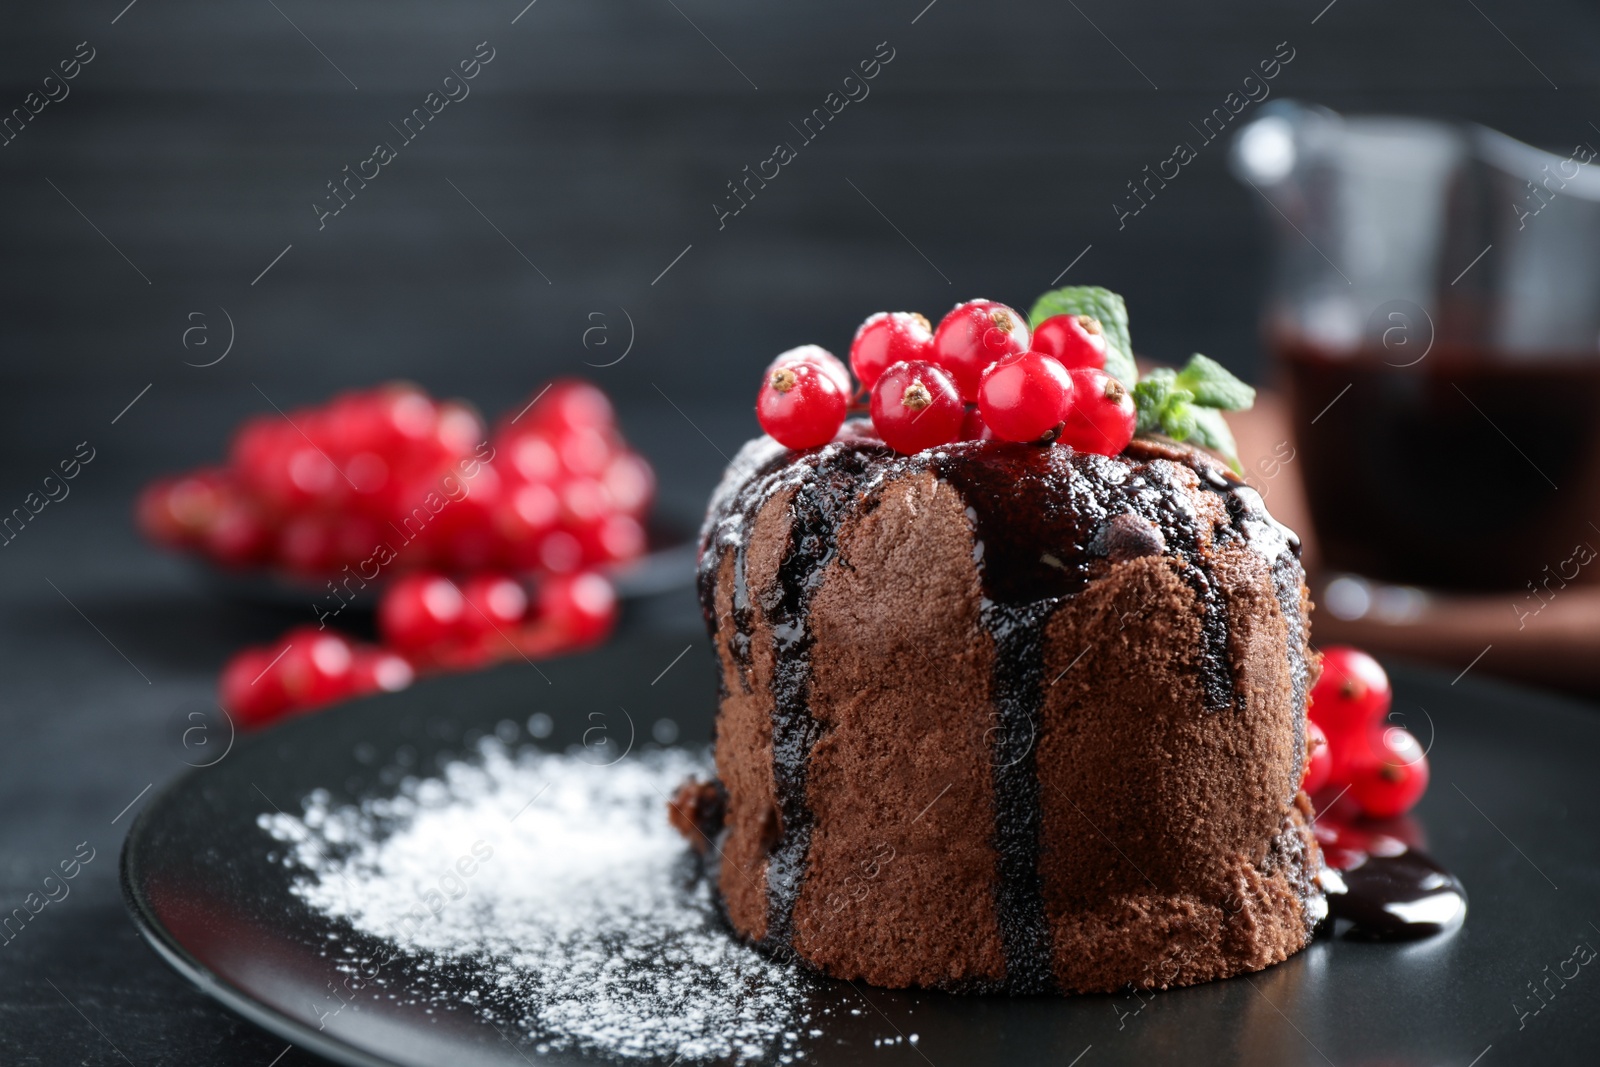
1281 545
825 484
1397 898
815 510
1045 522
1018 634
1046 519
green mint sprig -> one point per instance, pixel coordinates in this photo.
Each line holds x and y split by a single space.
1187 405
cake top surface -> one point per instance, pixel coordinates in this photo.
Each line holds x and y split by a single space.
1043 515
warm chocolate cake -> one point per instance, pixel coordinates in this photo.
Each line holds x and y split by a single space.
1007 717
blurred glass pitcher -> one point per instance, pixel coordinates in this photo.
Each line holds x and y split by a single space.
1435 314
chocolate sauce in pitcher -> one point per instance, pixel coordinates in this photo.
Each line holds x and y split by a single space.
1469 469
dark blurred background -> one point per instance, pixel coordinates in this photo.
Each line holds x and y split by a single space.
173 187
595 145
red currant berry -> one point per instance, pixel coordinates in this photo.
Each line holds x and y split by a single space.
1352 749
534 508
1319 761
1101 417
379 670
495 602
801 405
157 518
915 406
973 428
194 501
973 337
458 430
631 483
1025 397
581 608
463 535
369 477
583 500
573 405
250 690
620 538
520 523
254 444
315 667
533 457
560 552
887 338
420 612
583 451
818 357
1352 696
313 474
1393 777
238 536
404 416
1075 340
306 545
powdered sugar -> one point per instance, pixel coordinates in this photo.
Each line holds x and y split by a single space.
556 889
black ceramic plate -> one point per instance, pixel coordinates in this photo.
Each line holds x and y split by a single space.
1511 810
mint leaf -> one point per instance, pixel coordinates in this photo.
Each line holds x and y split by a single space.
1104 305
1148 398
1214 386
1211 430
1155 398
1165 406
1180 420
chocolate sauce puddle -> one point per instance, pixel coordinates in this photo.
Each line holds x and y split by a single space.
1388 890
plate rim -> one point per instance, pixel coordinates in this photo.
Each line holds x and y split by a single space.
203 978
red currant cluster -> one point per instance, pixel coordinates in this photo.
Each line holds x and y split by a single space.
981 374
428 623
1350 745
437 623
389 480
389 477
304 669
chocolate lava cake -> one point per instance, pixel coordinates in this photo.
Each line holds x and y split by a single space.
1004 717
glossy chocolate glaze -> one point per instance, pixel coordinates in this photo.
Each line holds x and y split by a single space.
1387 890
1018 632
1046 520
1041 514
815 509
824 484
1248 515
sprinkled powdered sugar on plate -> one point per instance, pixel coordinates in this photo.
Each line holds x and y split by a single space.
557 887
